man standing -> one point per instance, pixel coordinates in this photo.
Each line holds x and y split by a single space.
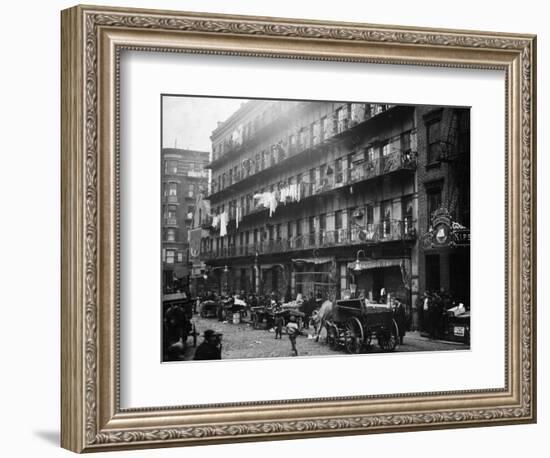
210 348
400 319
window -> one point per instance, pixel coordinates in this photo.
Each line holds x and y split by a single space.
180 256
338 219
315 133
338 170
312 176
324 128
278 232
190 190
433 134
170 255
299 227
370 214
386 218
322 227
171 167
434 202
338 225
289 230
303 138
170 235
170 212
386 150
343 118
370 154
406 142
407 211
311 223
172 189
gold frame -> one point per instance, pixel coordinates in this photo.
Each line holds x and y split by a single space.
92 38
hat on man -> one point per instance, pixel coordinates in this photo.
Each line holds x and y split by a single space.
209 333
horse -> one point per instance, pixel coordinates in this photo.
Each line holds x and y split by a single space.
320 317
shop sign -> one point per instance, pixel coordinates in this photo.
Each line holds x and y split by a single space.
444 232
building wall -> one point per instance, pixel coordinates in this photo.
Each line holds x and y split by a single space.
449 175
183 177
388 125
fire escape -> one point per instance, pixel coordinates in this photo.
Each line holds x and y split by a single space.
455 152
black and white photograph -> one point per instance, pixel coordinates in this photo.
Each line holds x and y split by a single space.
298 228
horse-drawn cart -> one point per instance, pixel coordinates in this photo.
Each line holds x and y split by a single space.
355 323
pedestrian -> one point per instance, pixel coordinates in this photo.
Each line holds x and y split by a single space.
293 331
279 323
400 319
176 326
210 348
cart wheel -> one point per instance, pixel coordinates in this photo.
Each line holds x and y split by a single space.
388 341
332 337
353 335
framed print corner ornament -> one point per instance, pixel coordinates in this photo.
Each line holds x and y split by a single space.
277 228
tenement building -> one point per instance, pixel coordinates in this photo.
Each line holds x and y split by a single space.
183 178
324 197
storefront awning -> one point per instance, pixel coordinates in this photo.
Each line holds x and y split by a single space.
375 264
314 260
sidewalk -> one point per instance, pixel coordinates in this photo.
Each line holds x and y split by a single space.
415 335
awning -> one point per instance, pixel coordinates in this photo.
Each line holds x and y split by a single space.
375 264
314 260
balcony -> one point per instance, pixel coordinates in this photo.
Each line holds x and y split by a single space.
338 179
338 128
170 199
232 147
383 232
170 222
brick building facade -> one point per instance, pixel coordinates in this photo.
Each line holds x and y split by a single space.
354 223
183 178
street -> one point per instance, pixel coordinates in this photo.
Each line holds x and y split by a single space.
242 341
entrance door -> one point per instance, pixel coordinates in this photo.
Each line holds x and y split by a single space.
432 272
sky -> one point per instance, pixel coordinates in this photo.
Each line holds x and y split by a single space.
188 122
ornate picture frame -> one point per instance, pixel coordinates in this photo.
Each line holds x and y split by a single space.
92 41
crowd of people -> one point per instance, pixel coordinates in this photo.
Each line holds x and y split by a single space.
433 308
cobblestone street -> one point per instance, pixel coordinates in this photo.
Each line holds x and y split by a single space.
242 341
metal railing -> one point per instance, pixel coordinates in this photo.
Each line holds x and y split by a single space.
170 222
171 199
397 160
335 127
384 231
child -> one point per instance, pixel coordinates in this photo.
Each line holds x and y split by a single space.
278 322
293 331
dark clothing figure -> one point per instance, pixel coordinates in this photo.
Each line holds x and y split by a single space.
211 348
207 351
279 323
174 323
401 321
176 329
